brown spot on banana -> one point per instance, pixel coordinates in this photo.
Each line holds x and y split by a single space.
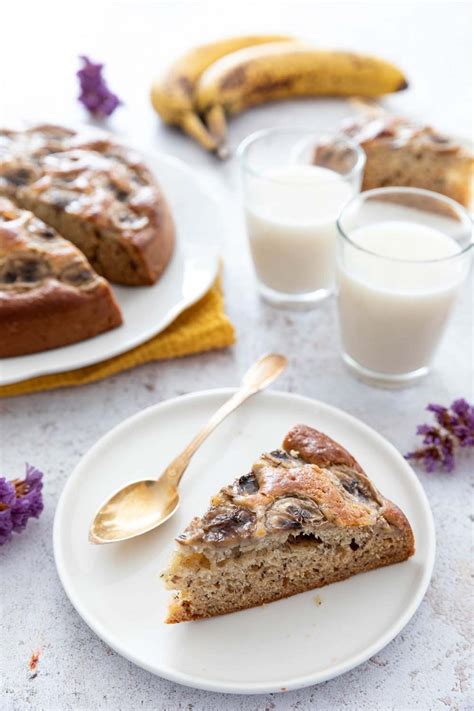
238 78
272 86
234 78
186 85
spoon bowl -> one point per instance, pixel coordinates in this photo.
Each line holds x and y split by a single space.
134 510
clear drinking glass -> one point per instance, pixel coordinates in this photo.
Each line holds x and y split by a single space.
294 185
403 255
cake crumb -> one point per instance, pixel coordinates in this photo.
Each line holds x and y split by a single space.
33 664
318 600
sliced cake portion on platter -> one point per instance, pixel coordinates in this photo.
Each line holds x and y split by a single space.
306 515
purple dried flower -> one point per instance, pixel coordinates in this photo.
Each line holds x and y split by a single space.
19 501
7 498
7 493
6 526
431 434
95 94
455 429
462 409
464 427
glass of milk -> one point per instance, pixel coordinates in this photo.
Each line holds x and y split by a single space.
291 201
403 255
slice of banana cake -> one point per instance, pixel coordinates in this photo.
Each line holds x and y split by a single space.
306 515
401 152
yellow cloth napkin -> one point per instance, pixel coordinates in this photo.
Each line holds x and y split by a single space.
202 327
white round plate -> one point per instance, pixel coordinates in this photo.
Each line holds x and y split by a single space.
147 310
283 645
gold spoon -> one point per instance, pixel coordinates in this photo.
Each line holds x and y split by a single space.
143 505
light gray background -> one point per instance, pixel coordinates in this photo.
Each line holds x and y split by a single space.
429 664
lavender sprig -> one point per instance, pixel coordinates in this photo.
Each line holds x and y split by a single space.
20 500
454 429
95 94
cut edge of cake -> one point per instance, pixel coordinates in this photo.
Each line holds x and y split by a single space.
50 296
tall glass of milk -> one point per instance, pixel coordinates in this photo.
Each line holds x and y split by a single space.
403 255
291 205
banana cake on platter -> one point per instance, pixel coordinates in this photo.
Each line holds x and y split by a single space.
49 294
96 192
306 515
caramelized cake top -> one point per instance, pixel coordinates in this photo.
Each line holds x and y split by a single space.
32 255
86 174
312 481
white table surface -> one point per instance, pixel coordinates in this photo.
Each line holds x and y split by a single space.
428 665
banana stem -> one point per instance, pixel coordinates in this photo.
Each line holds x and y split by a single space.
194 127
216 123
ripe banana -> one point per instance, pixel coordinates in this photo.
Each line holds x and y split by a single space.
172 95
280 70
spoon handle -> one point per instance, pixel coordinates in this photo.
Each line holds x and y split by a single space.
259 375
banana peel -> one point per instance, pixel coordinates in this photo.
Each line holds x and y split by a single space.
227 77
172 94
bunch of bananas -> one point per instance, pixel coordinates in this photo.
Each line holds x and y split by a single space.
226 77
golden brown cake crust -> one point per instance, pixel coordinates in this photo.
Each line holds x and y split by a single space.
96 192
317 448
49 295
311 468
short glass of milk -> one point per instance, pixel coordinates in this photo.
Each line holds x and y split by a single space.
402 257
291 201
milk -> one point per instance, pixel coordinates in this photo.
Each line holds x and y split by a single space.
393 312
291 220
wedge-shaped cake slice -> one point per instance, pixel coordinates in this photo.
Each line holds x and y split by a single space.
49 294
402 152
305 516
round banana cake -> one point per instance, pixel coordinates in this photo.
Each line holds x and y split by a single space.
96 192
76 209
